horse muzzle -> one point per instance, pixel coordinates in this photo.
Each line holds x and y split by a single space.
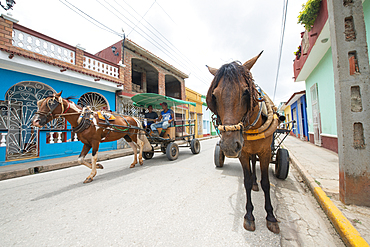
38 122
231 144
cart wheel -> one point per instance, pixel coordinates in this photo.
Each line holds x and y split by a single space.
219 157
172 151
195 146
148 155
282 163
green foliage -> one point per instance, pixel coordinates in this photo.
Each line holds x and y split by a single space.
308 14
298 52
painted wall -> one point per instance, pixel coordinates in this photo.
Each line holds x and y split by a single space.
323 75
195 97
8 78
52 150
288 115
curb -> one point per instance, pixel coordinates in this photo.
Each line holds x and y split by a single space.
40 169
349 235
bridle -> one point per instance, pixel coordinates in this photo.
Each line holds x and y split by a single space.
241 126
52 103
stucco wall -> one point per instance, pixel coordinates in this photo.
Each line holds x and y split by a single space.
323 75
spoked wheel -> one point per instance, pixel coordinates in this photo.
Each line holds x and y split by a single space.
172 151
148 155
282 163
219 157
195 146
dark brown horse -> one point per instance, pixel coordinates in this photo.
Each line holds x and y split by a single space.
91 131
234 99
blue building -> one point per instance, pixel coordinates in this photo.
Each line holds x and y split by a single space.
34 66
298 108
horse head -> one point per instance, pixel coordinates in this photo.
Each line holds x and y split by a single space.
232 97
47 108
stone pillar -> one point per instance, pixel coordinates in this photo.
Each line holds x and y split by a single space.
352 99
183 95
79 56
161 83
143 81
6 30
127 72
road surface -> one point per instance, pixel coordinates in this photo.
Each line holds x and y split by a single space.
187 202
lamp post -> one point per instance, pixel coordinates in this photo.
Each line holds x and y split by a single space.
9 4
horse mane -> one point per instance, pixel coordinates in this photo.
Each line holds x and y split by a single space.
70 97
233 72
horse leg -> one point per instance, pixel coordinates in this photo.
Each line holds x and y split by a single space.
95 147
248 182
140 143
81 159
134 147
254 173
271 222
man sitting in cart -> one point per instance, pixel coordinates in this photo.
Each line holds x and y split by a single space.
150 117
164 120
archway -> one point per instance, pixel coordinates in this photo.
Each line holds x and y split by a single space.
144 77
173 87
96 101
16 118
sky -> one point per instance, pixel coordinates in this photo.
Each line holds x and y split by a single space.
187 34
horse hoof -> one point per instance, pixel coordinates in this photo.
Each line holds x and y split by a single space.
255 187
141 163
99 166
273 226
132 165
88 180
249 225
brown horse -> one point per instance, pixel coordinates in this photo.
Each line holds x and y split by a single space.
234 99
91 131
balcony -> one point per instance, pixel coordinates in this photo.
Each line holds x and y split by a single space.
312 51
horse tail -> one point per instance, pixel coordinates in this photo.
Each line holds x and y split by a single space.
141 135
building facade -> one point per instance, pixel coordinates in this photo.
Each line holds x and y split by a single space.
314 65
196 113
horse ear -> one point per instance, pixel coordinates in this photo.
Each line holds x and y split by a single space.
211 104
249 64
213 71
59 94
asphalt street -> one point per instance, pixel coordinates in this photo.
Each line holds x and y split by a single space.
187 202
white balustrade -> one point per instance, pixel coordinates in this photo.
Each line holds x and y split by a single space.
98 66
3 139
43 47
51 139
75 138
59 137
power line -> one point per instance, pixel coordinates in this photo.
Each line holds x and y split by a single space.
142 17
182 56
163 49
102 25
281 43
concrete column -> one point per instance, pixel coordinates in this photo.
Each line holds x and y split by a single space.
352 99
127 72
161 83
143 81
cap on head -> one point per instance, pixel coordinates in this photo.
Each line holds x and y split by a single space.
163 103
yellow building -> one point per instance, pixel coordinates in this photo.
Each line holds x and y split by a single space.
288 115
195 111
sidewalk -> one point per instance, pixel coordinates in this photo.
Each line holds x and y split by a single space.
320 168
38 166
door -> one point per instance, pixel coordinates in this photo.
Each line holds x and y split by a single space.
16 117
316 115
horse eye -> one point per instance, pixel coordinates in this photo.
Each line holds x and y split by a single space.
213 97
246 93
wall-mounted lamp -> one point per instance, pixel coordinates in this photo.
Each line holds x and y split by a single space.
114 51
62 70
11 55
9 4
324 40
97 79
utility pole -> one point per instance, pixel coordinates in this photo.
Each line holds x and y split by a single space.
352 98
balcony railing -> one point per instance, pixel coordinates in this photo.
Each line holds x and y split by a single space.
309 39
